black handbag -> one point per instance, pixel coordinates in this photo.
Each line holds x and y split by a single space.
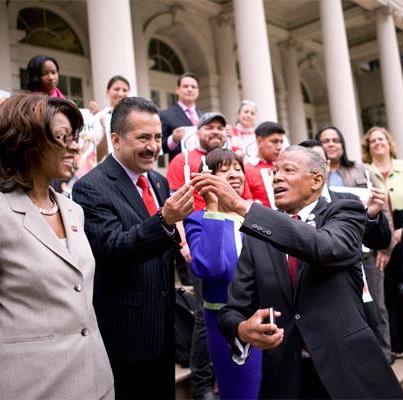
185 306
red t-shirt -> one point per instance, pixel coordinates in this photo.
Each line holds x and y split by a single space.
176 176
255 181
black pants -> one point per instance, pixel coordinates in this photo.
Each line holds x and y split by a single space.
154 379
311 385
202 378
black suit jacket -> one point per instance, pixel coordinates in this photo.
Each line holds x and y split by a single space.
377 234
134 276
172 118
324 312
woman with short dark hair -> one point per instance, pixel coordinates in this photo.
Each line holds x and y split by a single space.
50 343
215 244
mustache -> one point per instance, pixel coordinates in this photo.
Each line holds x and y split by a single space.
147 153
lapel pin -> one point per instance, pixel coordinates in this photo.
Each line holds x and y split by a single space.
158 185
74 228
311 217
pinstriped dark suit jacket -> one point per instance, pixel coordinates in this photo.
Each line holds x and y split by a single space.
172 118
324 312
134 281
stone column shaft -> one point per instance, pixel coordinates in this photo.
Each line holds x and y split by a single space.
226 59
339 79
295 101
5 55
254 57
111 41
141 52
391 73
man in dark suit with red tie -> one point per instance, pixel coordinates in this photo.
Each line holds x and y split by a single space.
130 223
183 113
320 346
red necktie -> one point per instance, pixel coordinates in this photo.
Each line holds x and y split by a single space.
192 116
146 194
293 262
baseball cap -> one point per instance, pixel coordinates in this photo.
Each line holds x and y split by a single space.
208 117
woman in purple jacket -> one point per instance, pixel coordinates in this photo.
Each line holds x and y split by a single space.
215 244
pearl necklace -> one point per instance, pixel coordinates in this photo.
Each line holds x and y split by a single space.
50 211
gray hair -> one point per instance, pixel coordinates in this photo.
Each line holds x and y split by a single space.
313 161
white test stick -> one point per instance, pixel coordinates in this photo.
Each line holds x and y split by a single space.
205 167
369 183
186 167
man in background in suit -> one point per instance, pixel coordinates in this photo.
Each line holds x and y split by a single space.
306 263
183 113
130 222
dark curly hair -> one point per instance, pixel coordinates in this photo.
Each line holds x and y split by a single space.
25 135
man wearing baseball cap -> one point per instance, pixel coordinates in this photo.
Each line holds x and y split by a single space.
211 135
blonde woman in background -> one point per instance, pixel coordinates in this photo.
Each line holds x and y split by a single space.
242 135
379 153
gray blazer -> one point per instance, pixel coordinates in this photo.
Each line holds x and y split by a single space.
50 345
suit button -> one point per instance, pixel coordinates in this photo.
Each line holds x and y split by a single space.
259 228
77 287
297 317
85 332
268 232
254 226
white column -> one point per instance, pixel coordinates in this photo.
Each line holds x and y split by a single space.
295 102
391 73
111 41
5 55
141 52
226 59
338 75
254 57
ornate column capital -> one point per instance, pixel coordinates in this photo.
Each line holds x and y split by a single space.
292 43
223 19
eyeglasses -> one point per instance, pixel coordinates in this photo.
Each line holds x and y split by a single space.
68 138
335 140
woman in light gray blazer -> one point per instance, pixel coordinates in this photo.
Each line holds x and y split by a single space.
50 345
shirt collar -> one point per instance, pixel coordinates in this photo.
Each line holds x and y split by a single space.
184 107
326 193
134 176
304 213
255 161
